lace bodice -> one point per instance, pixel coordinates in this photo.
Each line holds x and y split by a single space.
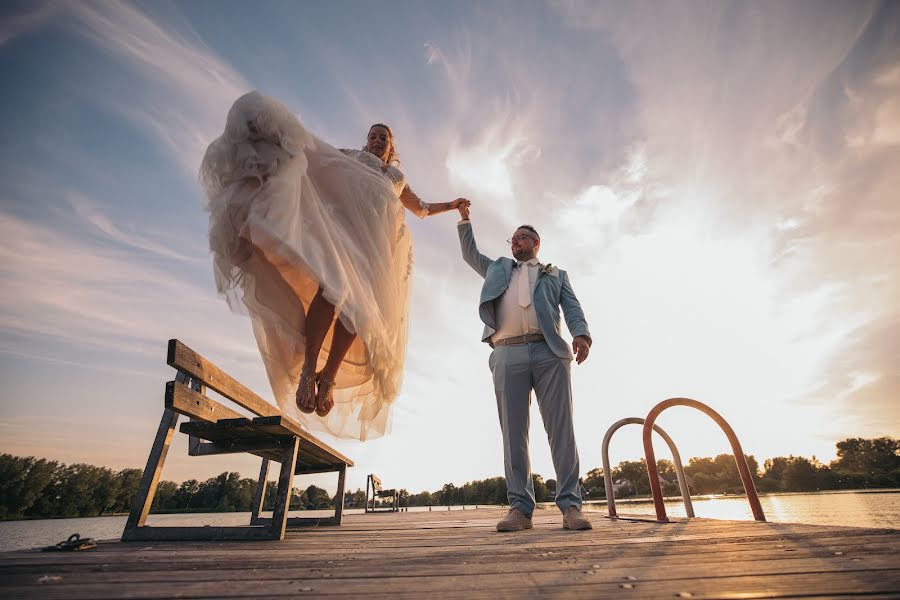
392 173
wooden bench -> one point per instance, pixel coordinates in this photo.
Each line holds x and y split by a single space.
270 435
374 482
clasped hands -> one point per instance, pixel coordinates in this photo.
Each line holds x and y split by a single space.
462 205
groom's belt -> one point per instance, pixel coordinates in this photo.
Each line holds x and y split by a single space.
520 339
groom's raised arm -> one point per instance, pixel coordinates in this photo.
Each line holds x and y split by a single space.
470 253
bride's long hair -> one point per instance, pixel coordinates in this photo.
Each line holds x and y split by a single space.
393 158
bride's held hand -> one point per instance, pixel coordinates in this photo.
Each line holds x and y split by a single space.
462 205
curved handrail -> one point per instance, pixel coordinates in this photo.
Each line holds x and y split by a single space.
739 458
676 458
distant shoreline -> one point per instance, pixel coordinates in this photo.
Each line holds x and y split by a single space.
541 505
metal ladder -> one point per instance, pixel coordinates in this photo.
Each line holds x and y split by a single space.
653 471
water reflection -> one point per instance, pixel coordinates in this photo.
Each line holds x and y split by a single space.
857 509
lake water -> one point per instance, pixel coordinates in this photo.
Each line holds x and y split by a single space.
856 509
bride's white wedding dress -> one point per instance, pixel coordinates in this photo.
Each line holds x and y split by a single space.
289 213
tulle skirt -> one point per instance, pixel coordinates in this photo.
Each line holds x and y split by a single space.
289 214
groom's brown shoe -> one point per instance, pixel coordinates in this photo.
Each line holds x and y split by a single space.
573 518
515 520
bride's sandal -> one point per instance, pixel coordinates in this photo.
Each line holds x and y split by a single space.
306 393
324 395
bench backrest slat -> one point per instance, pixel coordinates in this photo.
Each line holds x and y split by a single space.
186 360
186 401
376 482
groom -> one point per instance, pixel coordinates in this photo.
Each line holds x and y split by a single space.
520 303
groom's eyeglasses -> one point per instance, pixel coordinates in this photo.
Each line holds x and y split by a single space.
518 238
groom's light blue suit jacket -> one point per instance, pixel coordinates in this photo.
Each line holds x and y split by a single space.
551 292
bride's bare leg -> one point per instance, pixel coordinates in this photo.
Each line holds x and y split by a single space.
318 320
341 343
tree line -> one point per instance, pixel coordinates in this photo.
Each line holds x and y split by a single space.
32 488
41 488
860 463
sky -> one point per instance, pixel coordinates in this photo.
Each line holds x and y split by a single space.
719 179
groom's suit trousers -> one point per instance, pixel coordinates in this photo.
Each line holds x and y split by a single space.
517 370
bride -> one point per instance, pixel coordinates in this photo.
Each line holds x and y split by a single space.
311 242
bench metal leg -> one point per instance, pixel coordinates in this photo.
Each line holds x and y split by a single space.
283 495
137 530
338 517
339 507
272 529
259 497
143 499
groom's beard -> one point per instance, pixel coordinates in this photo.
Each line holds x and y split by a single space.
520 254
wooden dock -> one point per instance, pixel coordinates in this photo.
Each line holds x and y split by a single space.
457 554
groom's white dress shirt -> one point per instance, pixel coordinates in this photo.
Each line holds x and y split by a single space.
515 310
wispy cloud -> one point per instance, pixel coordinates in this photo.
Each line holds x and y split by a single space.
183 89
15 25
82 293
92 215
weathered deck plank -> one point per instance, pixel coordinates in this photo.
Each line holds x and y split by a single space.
456 554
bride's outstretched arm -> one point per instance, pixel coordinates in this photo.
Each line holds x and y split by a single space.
423 209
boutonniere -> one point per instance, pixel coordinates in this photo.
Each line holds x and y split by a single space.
548 269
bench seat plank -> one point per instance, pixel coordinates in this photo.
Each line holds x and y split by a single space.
243 432
229 436
267 449
229 430
313 446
